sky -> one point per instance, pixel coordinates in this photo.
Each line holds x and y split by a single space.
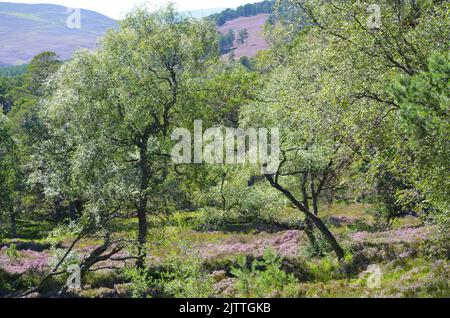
117 8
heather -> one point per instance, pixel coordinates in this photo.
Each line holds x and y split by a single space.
247 262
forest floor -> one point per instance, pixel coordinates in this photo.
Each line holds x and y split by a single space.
400 254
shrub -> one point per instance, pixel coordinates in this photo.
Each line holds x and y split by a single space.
235 199
140 282
12 252
186 277
104 279
438 246
326 269
264 278
319 249
213 218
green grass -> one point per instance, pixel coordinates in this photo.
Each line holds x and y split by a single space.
355 210
412 276
31 231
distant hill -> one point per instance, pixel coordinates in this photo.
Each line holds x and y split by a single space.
250 17
248 10
255 42
28 29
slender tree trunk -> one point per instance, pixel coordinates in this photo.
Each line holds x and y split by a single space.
309 228
315 201
329 237
72 211
224 200
142 238
315 197
79 207
317 222
142 205
59 211
13 225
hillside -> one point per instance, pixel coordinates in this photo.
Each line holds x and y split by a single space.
29 29
248 10
26 30
255 41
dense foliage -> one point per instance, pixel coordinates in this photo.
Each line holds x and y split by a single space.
7 71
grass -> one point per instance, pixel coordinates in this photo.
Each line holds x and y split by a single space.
355 210
32 230
413 275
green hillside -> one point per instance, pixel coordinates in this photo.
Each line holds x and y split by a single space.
28 29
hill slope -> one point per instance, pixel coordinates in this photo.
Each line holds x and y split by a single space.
248 10
28 29
255 41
